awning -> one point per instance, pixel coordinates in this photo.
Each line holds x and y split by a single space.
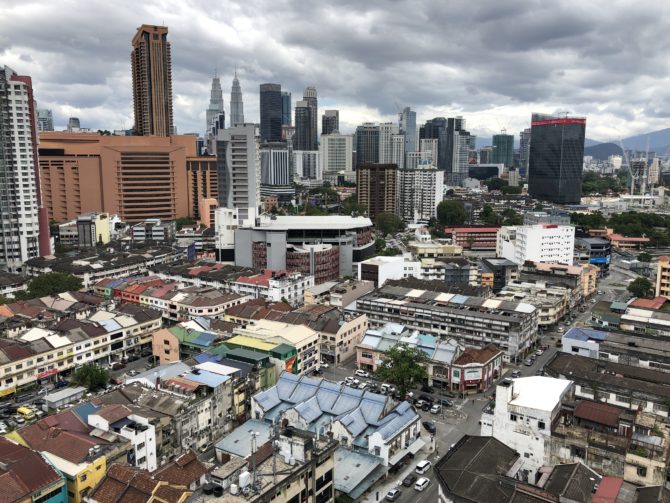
412 448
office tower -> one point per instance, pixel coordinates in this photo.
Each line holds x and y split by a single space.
336 157
419 192
148 175
330 122
398 150
275 165
524 152
307 166
271 112
485 155
152 81
302 138
25 230
238 163
386 132
454 143
73 124
377 188
215 108
407 121
286 110
428 150
309 96
556 158
45 120
236 105
503 149
367 144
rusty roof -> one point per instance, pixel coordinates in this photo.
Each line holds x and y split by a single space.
23 471
183 471
597 412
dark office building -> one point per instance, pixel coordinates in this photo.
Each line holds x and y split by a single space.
367 144
302 139
286 108
556 158
271 112
483 171
503 149
330 121
448 132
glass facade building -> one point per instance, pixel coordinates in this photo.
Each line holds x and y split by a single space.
271 112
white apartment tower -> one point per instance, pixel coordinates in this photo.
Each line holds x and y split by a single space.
398 150
419 192
539 243
386 132
336 157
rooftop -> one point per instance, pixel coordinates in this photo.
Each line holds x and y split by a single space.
539 392
238 441
281 222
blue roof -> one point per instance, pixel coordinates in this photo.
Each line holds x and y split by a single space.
585 334
459 299
110 325
84 410
207 378
206 357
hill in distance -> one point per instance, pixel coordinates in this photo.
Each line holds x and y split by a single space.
602 151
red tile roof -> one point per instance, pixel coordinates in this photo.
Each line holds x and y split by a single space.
124 484
23 472
184 471
598 412
608 490
113 413
626 239
654 304
477 355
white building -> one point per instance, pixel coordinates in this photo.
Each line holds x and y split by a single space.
398 150
275 166
336 156
537 243
386 132
381 269
419 192
307 166
525 411
238 159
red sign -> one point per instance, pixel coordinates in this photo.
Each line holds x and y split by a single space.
47 373
557 122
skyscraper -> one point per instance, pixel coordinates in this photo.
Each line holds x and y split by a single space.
330 122
236 105
377 188
367 144
398 150
271 112
73 124
407 121
556 158
24 233
453 146
386 132
286 110
303 126
524 152
152 81
45 120
215 108
309 96
503 149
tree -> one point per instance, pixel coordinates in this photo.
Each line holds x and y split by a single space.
182 221
404 366
380 244
495 183
488 216
388 223
644 257
91 376
52 283
641 287
451 213
351 206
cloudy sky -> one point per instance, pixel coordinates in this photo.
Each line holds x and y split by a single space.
493 62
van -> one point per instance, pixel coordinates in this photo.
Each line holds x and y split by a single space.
26 413
422 467
421 484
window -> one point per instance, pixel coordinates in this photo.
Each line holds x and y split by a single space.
512 417
83 478
541 425
641 471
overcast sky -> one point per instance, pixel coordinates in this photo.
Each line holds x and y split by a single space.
493 62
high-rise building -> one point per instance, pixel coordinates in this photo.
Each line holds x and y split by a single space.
377 188
419 192
307 166
73 124
503 149
152 81
238 163
485 155
25 231
302 139
367 144
215 108
275 165
398 150
236 104
271 112
330 122
309 96
524 152
336 157
407 122
45 120
386 132
538 243
286 110
556 158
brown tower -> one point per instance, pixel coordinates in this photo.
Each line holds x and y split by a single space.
152 81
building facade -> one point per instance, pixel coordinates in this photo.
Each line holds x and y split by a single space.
503 149
336 156
537 243
309 97
271 112
420 190
376 188
236 103
286 110
330 122
367 144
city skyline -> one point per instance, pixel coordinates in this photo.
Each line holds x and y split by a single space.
570 57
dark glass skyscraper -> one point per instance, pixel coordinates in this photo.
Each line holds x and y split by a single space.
367 144
309 97
330 121
503 149
286 108
556 158
271 112
302 139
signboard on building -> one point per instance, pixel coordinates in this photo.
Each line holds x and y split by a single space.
473 374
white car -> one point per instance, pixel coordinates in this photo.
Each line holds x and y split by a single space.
362 373
324 365
421 484
363 385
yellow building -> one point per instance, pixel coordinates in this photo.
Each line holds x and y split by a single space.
663 277
93 228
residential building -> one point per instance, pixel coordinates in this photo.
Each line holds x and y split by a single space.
25 233
420 190
238 165
307 169
45 120
376 188
152 81
275 165
556 158
475 369
330 122
236 103
472 321
526 411
503 149
380 269
367 144
271 112
202 180
407 123
153 230
286 111
398 150
12 283
93 229
453 146
428 248
582 279
513 178
310 98
77 170
387 130
538 243
551 301
498 272
473 238
524 152
336 157
663 277
338 294
596 251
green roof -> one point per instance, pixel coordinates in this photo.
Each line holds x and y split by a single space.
247 354
285 349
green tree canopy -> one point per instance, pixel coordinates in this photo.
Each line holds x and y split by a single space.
50 283
388 223
91 376
641 287
451 212
404 366
588 220
183 221
350 206
495 183
644 257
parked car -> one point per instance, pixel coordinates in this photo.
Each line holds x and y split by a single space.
363 385
362 373
560 330
539 352
435 409
528 362
426 398
423 466
445 402
409 480
516 373
18 419
449 394
387 388
429 426
324 365
426 406
419 403
427 388
61 384
392 495
133 372
421 484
